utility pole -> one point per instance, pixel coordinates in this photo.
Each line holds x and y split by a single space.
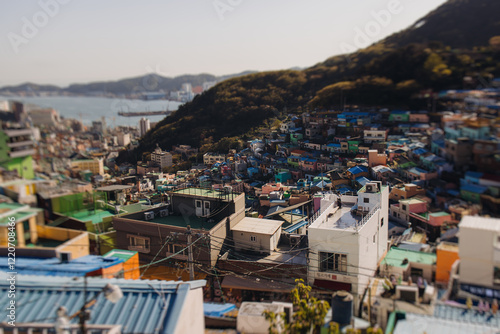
190 254
83 310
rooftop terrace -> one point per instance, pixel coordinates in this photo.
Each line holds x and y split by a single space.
338 218
19 211
96 216
196 223
203 192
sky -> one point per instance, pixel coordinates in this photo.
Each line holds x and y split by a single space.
78 41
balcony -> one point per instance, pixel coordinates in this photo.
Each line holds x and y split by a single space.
21 153
21 144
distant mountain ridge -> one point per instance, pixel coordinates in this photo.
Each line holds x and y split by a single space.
456 23
436 53
146 83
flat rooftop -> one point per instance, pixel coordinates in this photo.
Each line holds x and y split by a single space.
120 253
341 218
96 216
116 187
197 223
202 192
363 190
46 243
258 225
19 211
395 257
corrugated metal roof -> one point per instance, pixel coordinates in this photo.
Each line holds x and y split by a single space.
146 306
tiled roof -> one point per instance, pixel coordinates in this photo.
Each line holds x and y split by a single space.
146 307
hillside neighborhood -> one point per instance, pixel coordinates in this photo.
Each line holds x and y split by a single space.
399 210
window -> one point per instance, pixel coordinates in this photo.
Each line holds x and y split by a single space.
381 222
332 262
374 237
496 275
253 238
198 203
139 244
366 200
395 214
178 248
403 207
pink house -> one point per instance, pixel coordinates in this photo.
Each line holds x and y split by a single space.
270 187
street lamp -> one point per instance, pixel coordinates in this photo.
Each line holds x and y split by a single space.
111 292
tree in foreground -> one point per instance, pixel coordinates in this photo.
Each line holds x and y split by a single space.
308 317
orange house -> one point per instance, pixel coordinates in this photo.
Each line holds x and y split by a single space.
446 255
130 263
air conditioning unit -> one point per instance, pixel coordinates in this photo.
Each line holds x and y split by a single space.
164 213
149 215
371 187
294 240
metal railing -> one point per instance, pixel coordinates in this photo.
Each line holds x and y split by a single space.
365 219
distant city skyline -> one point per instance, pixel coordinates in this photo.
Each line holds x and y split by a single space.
62 41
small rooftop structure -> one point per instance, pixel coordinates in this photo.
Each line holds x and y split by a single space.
256 225
397 257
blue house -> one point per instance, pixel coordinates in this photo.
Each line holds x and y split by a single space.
252 171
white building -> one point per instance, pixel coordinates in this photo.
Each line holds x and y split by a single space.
286 126
259 235
45 117
123 139
208 84
162 158
187 88
144 126
479 252
374 135
210 158
346 243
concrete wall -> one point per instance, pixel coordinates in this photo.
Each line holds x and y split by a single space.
263 243
477 256
158 234
191 318
78 246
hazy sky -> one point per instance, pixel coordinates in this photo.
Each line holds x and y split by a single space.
65 41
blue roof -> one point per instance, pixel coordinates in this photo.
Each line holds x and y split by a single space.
53 266
476 175
357 169
362 180
473 188
418 171
420 151
296 226
147 306
344 190
216 309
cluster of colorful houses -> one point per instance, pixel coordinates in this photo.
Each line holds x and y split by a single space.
396 208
